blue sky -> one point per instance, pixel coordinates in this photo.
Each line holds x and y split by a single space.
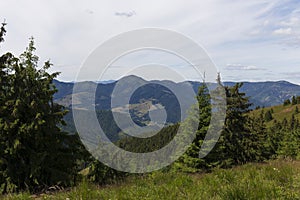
255 40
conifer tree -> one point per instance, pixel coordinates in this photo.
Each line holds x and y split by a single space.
289 145
275 136
34 152
287 102
298 99
296 110
190 161
268 116
294 100
235 131
259 145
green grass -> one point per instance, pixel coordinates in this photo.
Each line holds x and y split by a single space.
274 180
280 112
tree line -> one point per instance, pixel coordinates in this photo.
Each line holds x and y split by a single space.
245 137
295 100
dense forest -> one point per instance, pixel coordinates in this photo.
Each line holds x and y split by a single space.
37 153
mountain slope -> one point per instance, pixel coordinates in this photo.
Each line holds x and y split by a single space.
261 93
280 112
269 93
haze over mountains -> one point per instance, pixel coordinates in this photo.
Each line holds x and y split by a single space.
261 94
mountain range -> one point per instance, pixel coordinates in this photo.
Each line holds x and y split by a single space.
149 100
263 94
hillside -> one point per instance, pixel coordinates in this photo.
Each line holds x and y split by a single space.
268 93
279 112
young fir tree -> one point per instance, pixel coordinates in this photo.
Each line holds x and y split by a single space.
275 136
288 146
286 137
190 161
294 100
268 116
236 134
298 99
259 146
296 110
287 102
34 153
206 154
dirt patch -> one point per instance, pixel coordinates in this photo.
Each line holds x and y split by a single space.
287 110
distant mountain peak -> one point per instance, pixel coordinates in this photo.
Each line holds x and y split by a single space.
132 77
267 93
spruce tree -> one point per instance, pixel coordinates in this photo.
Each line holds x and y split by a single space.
236 133
294 100
190 161
298 99
287 102
296 110
259 145
275 136
219 101
268 116
289 145
34 152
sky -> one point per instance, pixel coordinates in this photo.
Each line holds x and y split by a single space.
257 40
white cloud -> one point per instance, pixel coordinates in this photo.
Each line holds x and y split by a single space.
283 31
230 31
241 67
293 21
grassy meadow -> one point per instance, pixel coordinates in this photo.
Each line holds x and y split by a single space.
278 179
279 112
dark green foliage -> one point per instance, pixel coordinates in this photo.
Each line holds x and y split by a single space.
102 174
244 138
298 99
190 161
296 110
289 145
2 32
294 100
268 116
236 138
34 153
274 138
294 123
259 140
287 102
143 145
106 121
